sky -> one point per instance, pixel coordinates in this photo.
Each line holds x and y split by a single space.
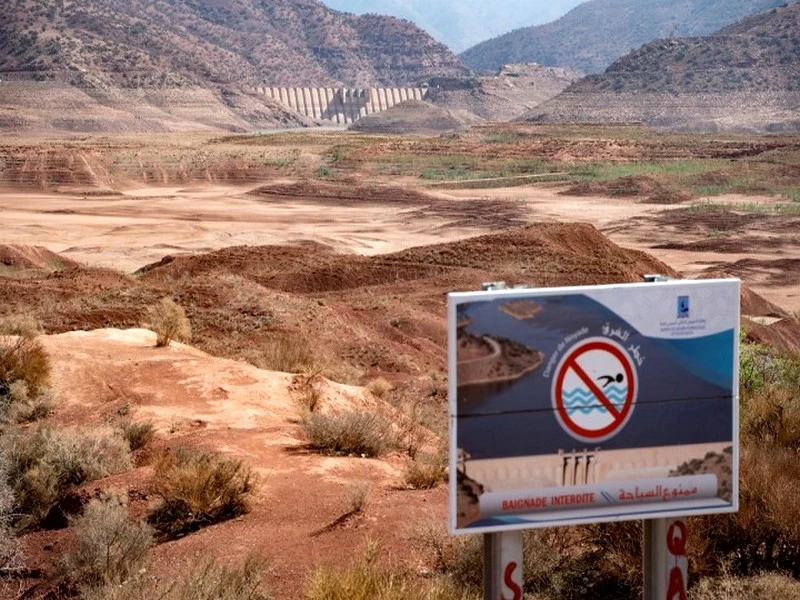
460 24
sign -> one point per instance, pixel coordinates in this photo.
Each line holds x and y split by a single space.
587 404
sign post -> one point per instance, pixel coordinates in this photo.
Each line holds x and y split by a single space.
502 566
665 564
592 404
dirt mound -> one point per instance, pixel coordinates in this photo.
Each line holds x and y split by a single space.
414 117
643 187
32 257
783 336
342 194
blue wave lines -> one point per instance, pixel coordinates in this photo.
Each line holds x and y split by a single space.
583 401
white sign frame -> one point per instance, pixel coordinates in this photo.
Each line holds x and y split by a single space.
631 303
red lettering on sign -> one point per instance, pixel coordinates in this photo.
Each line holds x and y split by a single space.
676 538
676 585
511 584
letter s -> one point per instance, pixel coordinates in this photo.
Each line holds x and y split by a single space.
510 583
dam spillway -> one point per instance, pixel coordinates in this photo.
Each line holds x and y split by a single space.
341 105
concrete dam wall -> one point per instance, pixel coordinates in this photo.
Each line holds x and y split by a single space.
341 105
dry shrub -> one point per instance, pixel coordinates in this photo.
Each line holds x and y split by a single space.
20 406
45 464
286 352
366 580
206 581
138 435
169 321
11 558
198 489
23 359
23 325
308 388
769 586
772 417
460 558
379 387
109 546
348 433
426 470
765 534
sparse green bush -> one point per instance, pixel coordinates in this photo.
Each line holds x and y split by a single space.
169 321
19 406
109 546
198 489
348 432
45 464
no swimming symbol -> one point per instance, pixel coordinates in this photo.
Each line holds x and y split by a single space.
594 390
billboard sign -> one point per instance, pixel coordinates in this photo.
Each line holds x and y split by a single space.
587 404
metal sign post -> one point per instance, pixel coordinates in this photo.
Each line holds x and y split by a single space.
664 560
502 566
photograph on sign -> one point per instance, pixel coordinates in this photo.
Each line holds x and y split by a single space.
576 405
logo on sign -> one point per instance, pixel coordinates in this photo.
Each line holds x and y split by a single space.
594 390
683 307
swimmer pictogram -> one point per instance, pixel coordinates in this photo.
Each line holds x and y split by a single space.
594 390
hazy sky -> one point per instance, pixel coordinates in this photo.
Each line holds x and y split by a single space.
461 24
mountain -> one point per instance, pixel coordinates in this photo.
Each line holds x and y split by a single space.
154 65
460 24
140 43
596 33
745 76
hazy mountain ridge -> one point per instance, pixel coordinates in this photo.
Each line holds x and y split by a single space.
748 73
460 24
594 34
141 43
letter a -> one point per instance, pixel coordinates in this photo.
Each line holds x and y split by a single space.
676 587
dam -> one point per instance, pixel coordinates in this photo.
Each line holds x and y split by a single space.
341 105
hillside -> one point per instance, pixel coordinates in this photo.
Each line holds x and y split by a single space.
745 76
596 33
118 64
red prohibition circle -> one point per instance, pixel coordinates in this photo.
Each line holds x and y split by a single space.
620 417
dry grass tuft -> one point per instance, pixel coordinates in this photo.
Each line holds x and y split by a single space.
138 435
206 581
426 470
379 387
198 489
23 359
23 325
286 352
169 321
349 433
366 580
109 546
308 389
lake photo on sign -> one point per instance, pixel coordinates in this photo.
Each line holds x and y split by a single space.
575 405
